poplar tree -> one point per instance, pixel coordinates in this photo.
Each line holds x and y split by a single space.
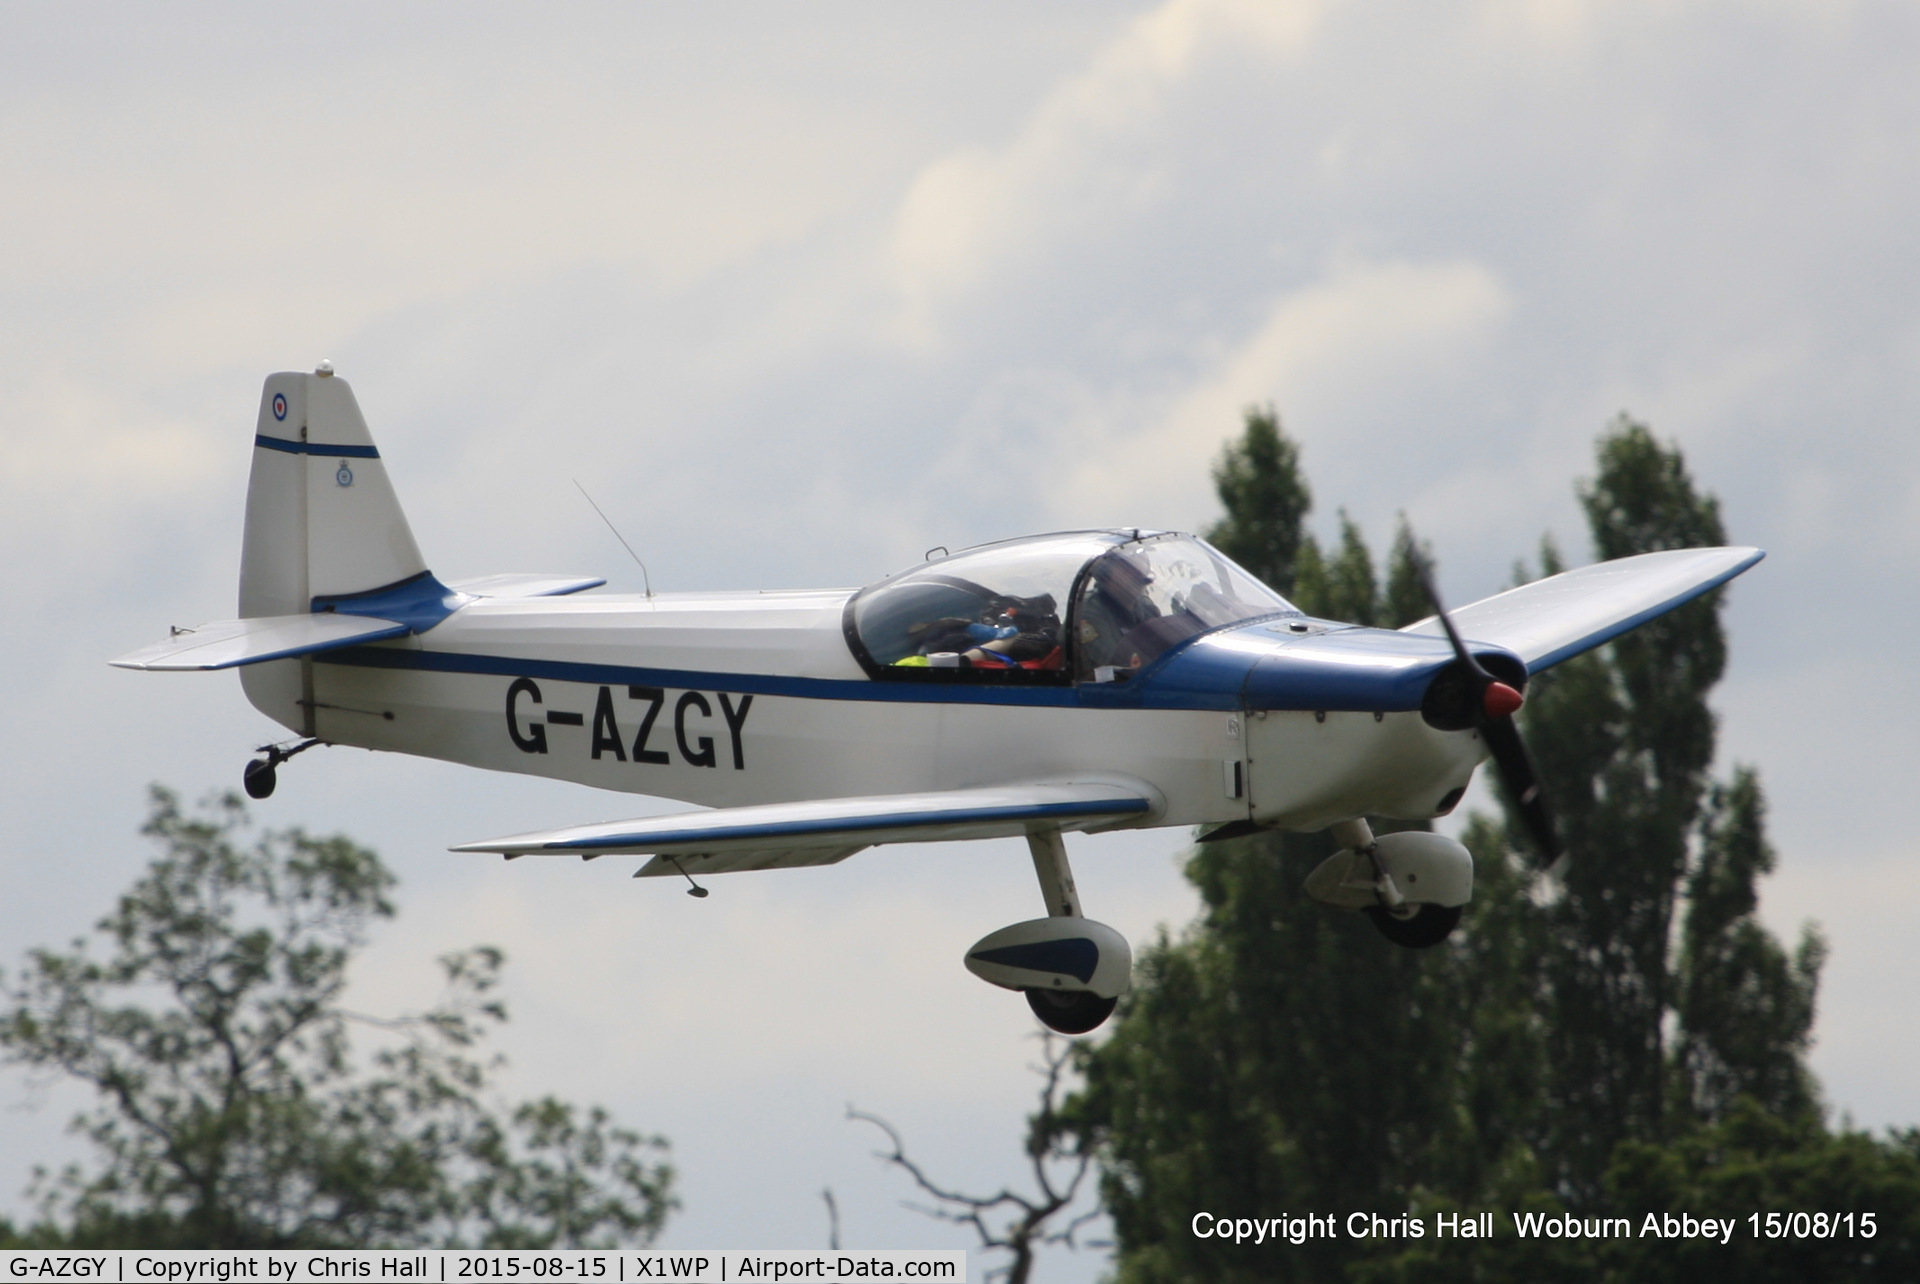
1266 497
1625 741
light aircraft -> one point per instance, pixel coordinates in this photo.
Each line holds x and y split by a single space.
1076 682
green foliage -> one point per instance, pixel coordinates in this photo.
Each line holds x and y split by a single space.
1751 1161
1266 497
1627 797
1625 740
1286 1059
1754 1160
1344 587
230 1114
1745 1006
1267 500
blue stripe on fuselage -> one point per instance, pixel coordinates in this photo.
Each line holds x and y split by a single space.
696 679
1346 669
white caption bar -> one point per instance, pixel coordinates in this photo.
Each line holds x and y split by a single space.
457 1266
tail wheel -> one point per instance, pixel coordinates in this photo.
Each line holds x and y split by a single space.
1426 927
259 778
1070 1011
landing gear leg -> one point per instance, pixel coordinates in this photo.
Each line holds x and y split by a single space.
1412 926
1068 1011
1356 835
259 778
1056 876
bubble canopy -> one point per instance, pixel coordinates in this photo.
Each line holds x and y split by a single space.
1086 606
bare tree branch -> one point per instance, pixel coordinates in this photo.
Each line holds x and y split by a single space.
1023 1227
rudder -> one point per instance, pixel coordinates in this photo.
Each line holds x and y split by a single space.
322 521
322 517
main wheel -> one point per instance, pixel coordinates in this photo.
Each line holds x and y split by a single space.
1426 927
1070 1011
258 778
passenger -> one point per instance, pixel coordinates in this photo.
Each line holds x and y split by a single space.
1028 635
1011 633
952 633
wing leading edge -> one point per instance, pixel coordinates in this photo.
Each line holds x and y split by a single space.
1557 618
823 831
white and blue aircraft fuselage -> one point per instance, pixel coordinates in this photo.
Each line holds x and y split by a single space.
1082 681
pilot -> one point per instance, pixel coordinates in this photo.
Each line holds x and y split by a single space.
1114 603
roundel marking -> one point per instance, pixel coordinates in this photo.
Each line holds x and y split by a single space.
345 475
280 405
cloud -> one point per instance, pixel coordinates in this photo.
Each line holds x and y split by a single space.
982 210
88 464
1325 348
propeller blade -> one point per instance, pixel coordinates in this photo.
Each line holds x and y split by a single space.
1471 665
1494 705
1523 785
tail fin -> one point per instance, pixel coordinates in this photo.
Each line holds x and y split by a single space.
322 518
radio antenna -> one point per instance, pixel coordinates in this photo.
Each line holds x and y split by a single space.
644 577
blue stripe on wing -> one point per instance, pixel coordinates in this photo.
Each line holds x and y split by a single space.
833 826
933 816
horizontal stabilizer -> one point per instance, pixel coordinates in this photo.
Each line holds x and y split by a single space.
1557 618
526 585
826 830
229 643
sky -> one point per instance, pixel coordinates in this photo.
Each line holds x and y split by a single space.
799 293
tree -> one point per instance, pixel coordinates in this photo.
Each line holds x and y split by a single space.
1754 1159
1007 1221
231 1114
1625 740
1859 1196
1745 1007
1266 499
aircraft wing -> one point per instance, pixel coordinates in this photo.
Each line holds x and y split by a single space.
775 835
227 643
1557 618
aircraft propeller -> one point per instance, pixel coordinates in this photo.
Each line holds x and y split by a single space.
1493 704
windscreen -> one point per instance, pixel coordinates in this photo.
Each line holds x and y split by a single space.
1142 597
991 611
